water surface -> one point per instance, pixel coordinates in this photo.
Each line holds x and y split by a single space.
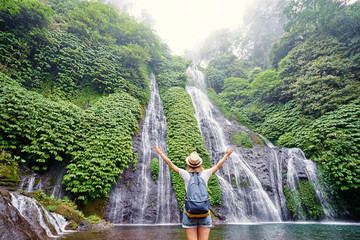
278 231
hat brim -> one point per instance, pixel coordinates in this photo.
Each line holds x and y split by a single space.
192 165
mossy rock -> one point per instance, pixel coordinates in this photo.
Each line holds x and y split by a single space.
8 175
72 226
256 139
69 213
95 207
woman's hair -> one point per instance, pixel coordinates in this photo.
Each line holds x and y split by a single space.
195 169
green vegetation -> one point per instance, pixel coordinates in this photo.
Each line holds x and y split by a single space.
154 168
47 130
62 56
241 140
309 96
59 57
233 181
64 206
184 137
183 134
135 160
303 200
8 170
290 201
244 183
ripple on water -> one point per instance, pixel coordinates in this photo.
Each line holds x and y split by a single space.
278 231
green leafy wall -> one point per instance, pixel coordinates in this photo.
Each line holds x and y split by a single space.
60 52
97 142
184 137
183 133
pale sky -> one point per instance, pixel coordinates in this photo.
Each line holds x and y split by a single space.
183 24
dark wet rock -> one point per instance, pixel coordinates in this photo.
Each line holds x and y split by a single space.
49 182
13 226
102 225
137 198
84 226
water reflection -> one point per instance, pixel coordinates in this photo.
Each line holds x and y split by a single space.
278 231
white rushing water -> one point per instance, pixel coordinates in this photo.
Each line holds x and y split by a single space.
35 213
27 183
250 202
242 204
309 167
142 200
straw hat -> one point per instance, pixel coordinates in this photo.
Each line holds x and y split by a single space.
194 160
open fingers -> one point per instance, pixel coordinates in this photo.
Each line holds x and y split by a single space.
157 150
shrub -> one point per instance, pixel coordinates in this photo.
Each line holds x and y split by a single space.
154 168
242 140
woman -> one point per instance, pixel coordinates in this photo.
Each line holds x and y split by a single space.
196 228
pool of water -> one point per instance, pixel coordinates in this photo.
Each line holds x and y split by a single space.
278 231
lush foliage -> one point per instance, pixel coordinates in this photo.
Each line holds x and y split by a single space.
95 166
154 168
309 98
97 141
171 72
83 52
184 137
34 126
333 140
242 140
219 69
70 46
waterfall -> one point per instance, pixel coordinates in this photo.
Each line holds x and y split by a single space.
58 190
137 198
309 168
38 217
250 203
251 180
27 183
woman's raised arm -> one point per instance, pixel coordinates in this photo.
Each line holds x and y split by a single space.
168 162
221 162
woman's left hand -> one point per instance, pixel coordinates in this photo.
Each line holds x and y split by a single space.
229 151
157 150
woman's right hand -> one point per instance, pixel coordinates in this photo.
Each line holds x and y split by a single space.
157 150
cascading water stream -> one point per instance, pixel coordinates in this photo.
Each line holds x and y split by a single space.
250 203
297 157
243 195
137 198
27 183
35 214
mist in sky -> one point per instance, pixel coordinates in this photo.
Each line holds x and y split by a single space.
183 24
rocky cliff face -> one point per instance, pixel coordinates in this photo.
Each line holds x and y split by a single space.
13 225
253 179
137 197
